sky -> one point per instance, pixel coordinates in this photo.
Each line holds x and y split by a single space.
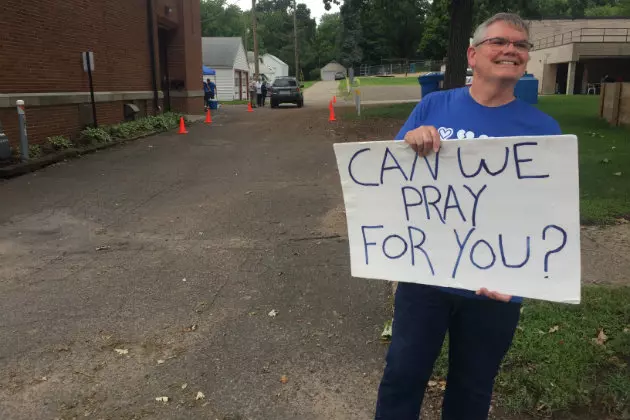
316 6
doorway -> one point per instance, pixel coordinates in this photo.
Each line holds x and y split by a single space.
561 78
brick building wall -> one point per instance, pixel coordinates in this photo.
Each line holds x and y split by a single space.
41 44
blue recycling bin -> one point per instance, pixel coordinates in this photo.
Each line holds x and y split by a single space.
430 82
527 89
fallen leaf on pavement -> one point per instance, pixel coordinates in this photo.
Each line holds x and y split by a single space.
193 327
554 329
184 386
162 399
284 379
159 362
386 335
273 313
601 337
102 248
121 351
200 396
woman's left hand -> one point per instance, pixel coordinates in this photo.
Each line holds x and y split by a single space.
494 295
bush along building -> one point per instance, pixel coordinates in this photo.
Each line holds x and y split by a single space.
146 60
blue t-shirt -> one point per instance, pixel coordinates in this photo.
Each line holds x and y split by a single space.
456 115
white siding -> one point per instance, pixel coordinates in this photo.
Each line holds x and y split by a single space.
280 68
240 62
225 84
328 75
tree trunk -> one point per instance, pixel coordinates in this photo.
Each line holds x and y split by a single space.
461 12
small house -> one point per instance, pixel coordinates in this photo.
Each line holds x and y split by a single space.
329 70
280 68
265 71
226 55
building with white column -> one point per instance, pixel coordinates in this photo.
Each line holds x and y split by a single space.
572 56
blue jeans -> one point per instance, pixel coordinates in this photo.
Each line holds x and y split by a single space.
480 334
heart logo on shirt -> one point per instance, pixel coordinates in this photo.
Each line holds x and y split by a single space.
445 133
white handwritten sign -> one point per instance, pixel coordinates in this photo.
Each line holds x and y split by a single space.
496 213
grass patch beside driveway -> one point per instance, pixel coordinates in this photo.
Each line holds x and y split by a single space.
381 81
567 357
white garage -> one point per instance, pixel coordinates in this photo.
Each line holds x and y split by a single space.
329 70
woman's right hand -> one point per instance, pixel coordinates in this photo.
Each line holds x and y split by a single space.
423 139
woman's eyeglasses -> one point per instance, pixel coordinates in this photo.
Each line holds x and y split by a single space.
499 42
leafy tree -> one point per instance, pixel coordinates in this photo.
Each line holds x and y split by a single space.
218 18
328 39
434 39
351 53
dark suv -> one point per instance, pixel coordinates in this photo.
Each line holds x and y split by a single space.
286 90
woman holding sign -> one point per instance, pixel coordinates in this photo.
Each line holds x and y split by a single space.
481 325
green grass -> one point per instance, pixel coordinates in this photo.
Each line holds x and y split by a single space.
604 197
235 102
566 370
308 84
380 81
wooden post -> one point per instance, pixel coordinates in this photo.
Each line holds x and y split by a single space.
616 102
602 99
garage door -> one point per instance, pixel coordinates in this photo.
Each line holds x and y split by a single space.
328 75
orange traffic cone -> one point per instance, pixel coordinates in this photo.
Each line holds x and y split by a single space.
182 126
331 117
334 99
249 107
208 117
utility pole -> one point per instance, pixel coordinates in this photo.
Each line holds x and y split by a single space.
257 74
295 40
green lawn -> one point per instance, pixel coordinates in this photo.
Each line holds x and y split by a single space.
556 364
603 152
235 102
380 81
308 84
604 196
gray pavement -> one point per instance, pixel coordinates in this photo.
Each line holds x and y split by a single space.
150 270
320 93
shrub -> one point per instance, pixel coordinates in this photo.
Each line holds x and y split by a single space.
59 142
96 135
34 151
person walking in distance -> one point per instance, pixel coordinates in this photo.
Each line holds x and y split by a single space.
253 98
206 94
263 90
259 92
481 325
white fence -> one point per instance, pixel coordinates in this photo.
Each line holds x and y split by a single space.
392 68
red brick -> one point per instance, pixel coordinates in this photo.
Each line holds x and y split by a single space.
41 44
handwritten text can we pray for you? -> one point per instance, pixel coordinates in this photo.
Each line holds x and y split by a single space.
449 204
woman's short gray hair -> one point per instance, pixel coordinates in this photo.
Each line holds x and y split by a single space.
509 18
